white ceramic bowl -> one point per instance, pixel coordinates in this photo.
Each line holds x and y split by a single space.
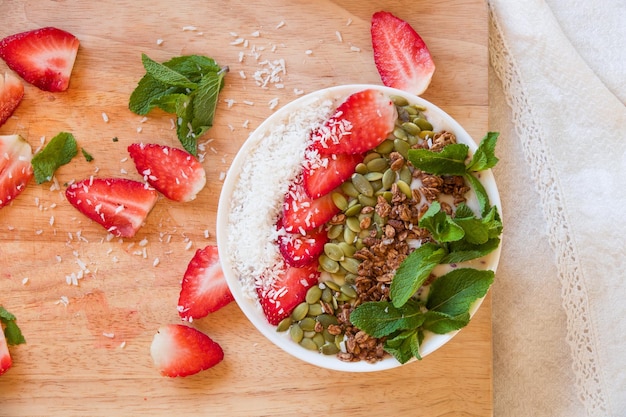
252 150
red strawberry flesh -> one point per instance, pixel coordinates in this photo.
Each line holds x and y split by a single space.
204 289
301 250
43 57
5 356
11 94
279 299
15 167
323 173
120 205
180 350
400 54
302 213
359 124
177 174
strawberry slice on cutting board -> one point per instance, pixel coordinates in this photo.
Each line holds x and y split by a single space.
5 356
43 57
400 54
11 94
118 204
359 124
15 167
177 174
204 289
180 350
289 290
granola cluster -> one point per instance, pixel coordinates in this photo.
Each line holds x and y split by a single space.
385 249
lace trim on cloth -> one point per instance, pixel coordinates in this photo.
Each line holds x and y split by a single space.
580 333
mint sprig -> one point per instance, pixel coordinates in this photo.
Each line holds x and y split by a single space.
12 331
58 152
458 238
187 86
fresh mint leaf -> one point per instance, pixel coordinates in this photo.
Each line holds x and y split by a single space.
479 190
449 161
144 96
205 98
478 230
441 323
413 271
194 67
455 292
87 155
59 151
165 75
484 157
12 331
441 226
462 251
170 103
382 318
405 346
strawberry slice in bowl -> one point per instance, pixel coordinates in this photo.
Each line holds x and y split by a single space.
43 57
119 205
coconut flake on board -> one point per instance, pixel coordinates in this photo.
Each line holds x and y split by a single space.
270 166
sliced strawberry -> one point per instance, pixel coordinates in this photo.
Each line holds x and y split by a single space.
172 171
323 173
118 204
401 56
15 167
289 290
204 289
5 356
43 57
302 213
359 124
179 350
300 250
11 94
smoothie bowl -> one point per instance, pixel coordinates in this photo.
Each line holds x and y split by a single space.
359 227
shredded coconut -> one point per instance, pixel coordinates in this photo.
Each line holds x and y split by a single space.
275 159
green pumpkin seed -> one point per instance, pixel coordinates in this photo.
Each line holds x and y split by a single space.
339 277
351 265
367 200
334 252
423 124
399 101
405 174
411 128
385 147
308 344
389 177
300 311
425 134
354 225
369 157
402 147
342 297
377 164
328 264
296 333
307 324
330 338
361 168
362 184
332 285
335 231
354 209
340 201
405 188
313 294
327 319
411 110
373 176
348 290
349 236
400 133
349 189
350 279
284 324
348 250
327 294
319 340
329 349
315 310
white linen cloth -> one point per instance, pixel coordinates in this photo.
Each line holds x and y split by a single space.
557 94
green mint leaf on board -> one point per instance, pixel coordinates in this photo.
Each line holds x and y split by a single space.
59 151
441 323
413 272
405 346
455 292
165 75
449 161
382 318
441 226
484 157
12 331
194 67
205 98
87 155
145 95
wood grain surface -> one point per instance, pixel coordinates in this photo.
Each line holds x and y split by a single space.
87 350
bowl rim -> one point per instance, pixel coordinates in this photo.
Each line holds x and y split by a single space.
251 308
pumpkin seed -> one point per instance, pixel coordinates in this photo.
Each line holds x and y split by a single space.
328 264
327 319
400 133
349 189
411 128
361 168
349 236
334 252
411 110
377 164
385 147
350 278
389 177
367 200
354 209
425 134
327 295
308 344
405 188
284 324
423 124
369 157
348 250
402 147
300 311
340 201
335 231
296 333
332 285
329 349
405 174
313 294
362 184
351 265
399 101
354 225
319 340
373 176
307 324
315 310
330 338
348 290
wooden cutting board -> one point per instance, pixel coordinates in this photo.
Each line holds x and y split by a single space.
88 344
